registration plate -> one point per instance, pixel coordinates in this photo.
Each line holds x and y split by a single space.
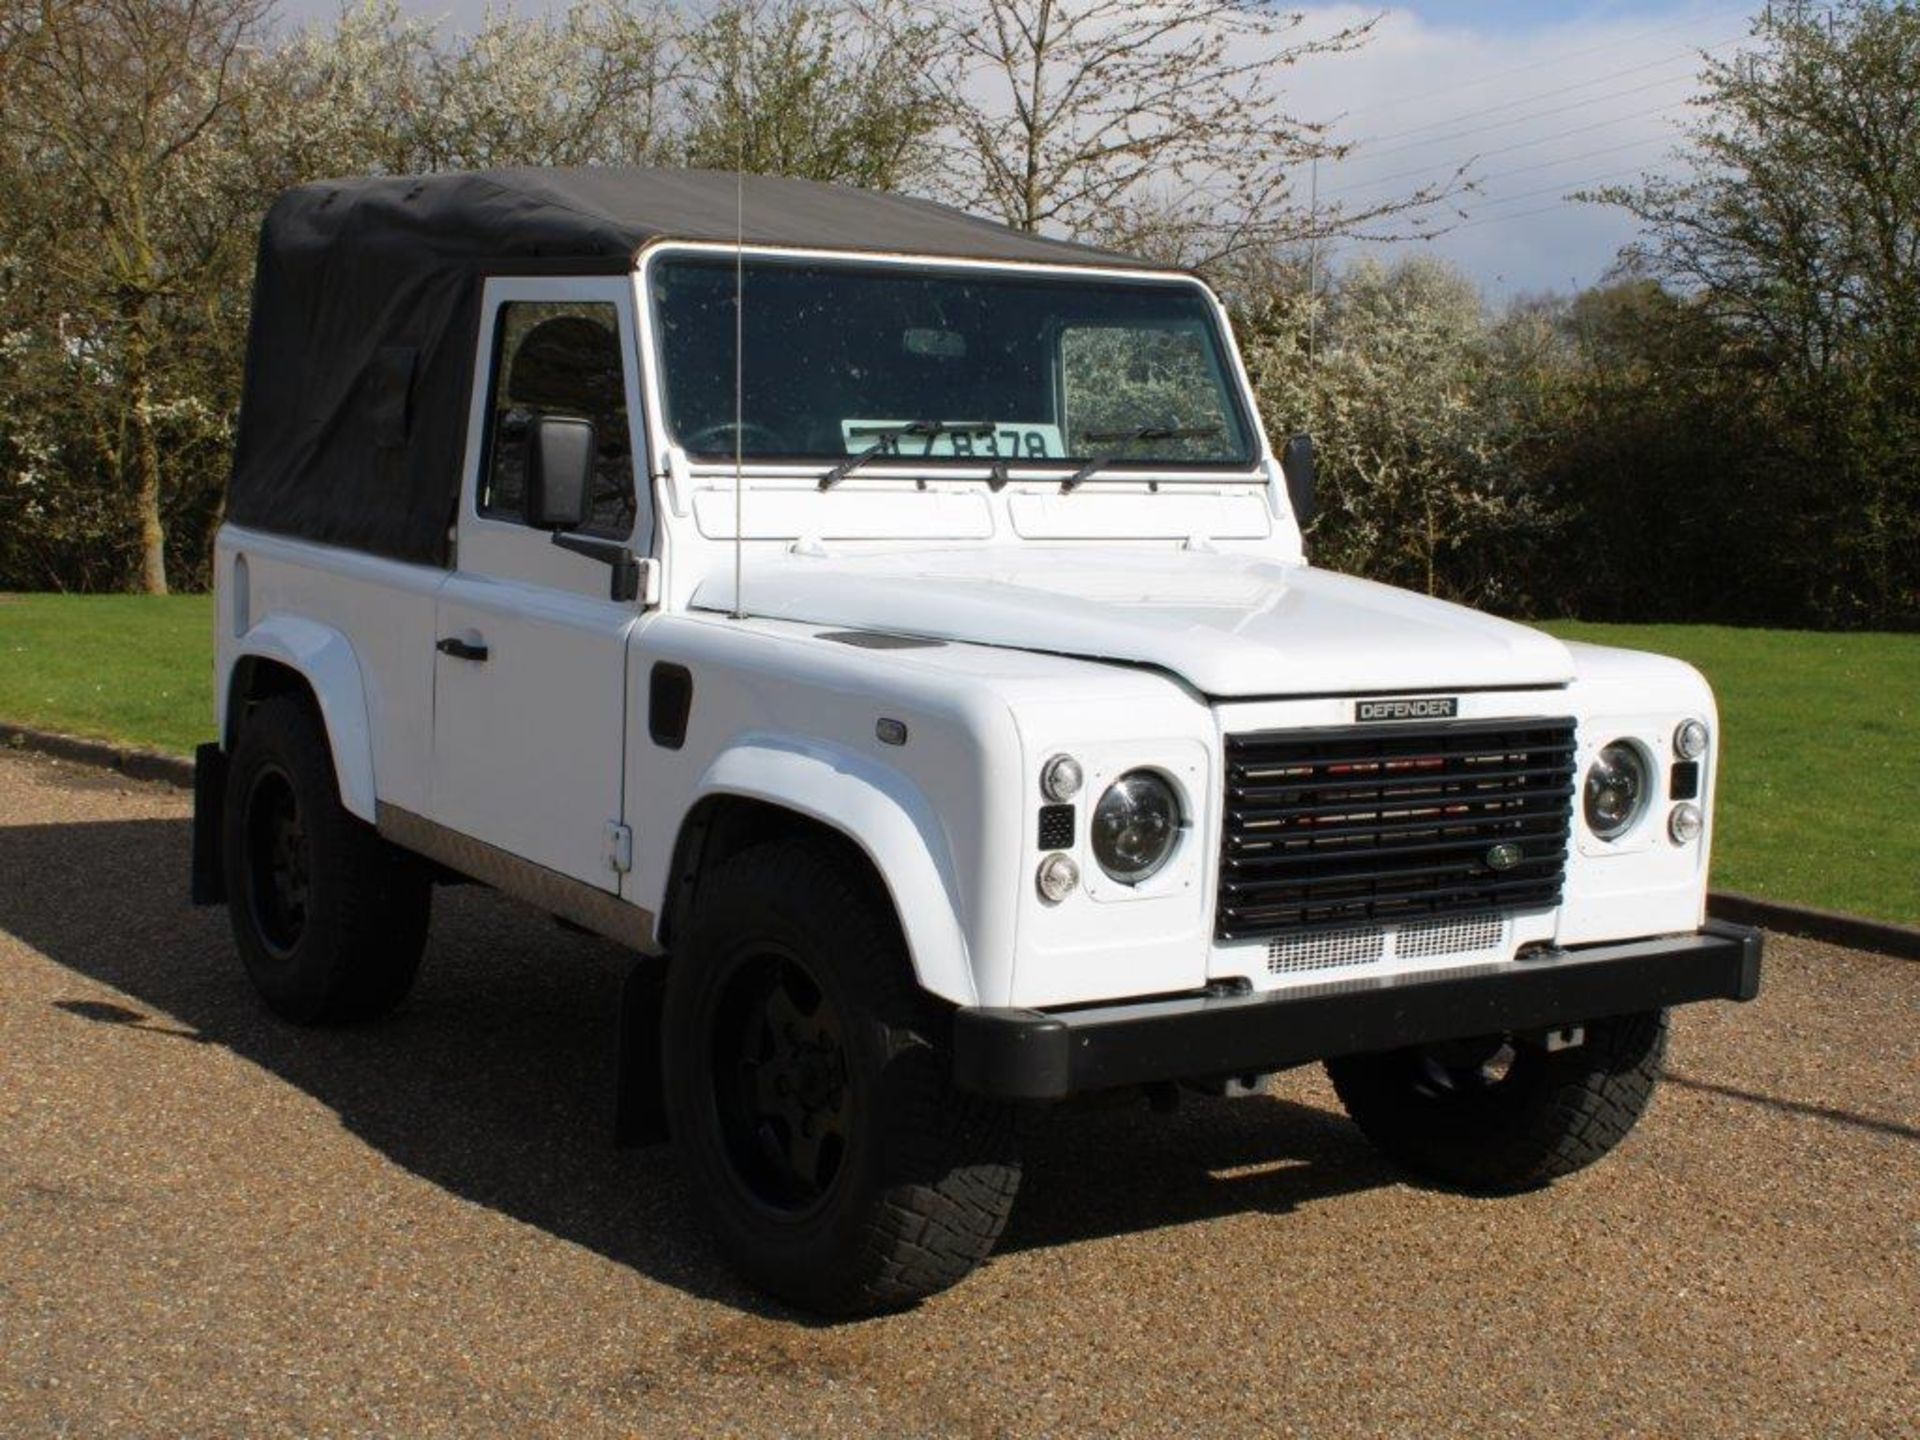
1014 440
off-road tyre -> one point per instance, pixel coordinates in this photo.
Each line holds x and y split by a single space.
330 919
1549 1114
909 1181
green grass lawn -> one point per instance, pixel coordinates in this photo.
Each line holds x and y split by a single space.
133 668
1820 768
1819 792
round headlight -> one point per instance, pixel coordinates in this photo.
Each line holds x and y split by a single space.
1060 778
1135 826
1685 824
1617 790
1690 739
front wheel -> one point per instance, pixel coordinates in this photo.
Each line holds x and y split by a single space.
809 1092
1500 1114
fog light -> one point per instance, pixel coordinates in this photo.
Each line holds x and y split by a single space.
1690 739
1061 779
1685 824
1056 878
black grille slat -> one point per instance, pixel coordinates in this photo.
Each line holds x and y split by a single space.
1393 779
1360 752
1403 803
1252 921
1391 823
1521 821
1406 876
1470 848
1332 906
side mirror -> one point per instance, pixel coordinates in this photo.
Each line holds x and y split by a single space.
560 454
1297 464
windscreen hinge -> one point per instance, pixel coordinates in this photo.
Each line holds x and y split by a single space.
679 477
619 846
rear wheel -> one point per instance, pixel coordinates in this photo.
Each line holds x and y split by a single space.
809 1092
1498 1114
330 919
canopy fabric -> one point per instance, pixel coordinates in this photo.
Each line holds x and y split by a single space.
366 310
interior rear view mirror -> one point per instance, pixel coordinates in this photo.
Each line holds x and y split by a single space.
560 454
935 344
1297 464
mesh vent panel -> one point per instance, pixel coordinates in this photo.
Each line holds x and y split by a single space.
1449 937
1327 950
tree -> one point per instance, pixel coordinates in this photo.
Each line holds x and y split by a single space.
1158 125
1643 425
379 93
788 87
1412 417
113 108
1799 229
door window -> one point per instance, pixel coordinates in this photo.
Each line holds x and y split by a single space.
559 358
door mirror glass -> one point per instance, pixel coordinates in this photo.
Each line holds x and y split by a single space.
560 456
1297 464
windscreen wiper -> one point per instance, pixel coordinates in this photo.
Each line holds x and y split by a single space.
1111 437
884 435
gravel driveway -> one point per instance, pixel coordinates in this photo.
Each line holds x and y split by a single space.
214 1224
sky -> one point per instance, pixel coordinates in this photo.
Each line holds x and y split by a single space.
1535 100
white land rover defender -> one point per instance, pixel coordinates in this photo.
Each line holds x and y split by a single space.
895 629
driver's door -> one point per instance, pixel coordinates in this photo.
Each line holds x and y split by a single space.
530 665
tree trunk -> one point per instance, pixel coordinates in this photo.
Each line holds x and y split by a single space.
146 463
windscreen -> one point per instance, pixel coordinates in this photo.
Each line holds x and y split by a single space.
953 366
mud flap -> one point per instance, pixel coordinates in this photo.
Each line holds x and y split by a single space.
208 882
639 1110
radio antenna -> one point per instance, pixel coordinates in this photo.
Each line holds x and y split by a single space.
739 367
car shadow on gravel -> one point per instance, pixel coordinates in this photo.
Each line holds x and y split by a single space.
495 1080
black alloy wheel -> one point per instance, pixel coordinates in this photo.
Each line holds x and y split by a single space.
1505 1113
330 920
781 1083
809 1089
279 861
1464 1068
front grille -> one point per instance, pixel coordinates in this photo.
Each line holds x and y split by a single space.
1334 827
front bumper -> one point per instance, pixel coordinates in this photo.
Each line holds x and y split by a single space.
1035 1055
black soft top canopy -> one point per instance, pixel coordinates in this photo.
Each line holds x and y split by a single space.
366 306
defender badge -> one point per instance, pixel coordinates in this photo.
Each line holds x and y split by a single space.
1428 707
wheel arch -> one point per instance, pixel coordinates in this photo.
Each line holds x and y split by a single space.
772 788
285 654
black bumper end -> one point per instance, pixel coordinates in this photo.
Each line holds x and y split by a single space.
1030 1055
208 884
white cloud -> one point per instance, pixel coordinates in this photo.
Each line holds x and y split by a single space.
1535 114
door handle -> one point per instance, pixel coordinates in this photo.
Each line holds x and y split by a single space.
462 649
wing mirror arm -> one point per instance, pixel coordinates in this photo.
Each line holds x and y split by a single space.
631 575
